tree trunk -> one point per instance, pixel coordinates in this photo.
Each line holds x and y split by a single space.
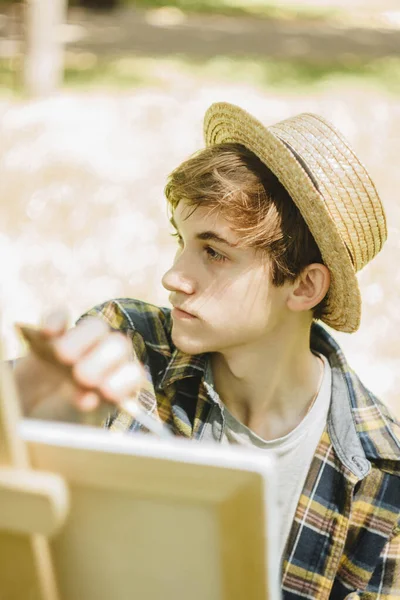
44 48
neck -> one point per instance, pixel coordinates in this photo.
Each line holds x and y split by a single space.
270 384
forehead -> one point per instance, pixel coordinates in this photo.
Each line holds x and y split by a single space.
201 218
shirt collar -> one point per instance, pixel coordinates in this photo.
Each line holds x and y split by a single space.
359 424
182 366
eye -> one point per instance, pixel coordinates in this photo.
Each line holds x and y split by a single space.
214 255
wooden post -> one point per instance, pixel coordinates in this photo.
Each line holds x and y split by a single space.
44 48
26 569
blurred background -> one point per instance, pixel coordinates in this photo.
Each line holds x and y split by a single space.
101 99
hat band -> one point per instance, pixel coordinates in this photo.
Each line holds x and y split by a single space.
303 164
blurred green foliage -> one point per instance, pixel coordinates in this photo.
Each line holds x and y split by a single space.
88 71
260 8
273 10
262 72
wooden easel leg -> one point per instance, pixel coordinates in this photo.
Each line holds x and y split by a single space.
26 570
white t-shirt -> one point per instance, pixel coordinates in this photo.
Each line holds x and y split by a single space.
293 452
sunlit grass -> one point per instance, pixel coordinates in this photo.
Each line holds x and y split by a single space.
10 76
280 74
259 8
86 71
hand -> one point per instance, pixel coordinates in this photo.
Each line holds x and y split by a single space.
79 367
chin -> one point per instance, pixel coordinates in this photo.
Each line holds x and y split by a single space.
189 345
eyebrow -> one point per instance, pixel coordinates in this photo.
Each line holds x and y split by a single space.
209 236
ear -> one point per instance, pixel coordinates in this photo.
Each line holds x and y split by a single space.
310 288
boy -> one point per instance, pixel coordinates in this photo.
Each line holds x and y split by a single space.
272 226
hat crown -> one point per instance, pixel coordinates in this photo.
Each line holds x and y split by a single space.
342 180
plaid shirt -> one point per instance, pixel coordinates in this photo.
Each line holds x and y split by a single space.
345 537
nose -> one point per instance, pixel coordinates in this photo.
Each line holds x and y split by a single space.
176 279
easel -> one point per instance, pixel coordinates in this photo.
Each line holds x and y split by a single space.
178 519
33 505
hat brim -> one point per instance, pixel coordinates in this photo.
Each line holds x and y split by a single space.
227 123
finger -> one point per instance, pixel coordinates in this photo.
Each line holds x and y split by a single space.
87 401
55 323
125 381
108 354
41 346
79 340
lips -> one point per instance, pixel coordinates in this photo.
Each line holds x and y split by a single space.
180 312
184 311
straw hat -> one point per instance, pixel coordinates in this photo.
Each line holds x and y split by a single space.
330 187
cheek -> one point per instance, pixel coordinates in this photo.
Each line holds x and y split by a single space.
241 297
